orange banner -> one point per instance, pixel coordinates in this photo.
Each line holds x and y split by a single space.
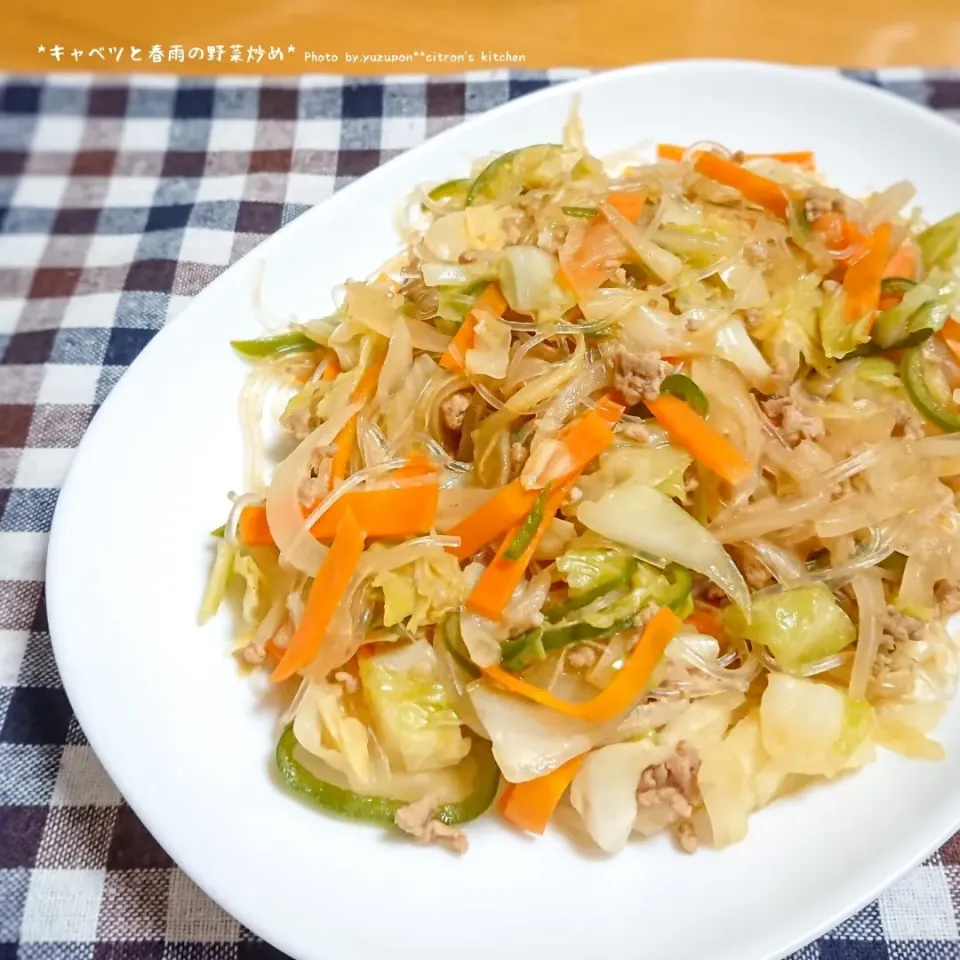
433 36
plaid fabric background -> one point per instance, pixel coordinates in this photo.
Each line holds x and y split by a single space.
119 201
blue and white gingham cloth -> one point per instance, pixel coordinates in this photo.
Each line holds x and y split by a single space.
120 199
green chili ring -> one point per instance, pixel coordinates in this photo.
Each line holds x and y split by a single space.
383 810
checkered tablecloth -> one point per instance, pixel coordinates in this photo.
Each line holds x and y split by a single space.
119 201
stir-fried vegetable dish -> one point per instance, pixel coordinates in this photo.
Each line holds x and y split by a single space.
623 498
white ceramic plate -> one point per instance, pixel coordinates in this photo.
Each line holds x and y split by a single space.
189 742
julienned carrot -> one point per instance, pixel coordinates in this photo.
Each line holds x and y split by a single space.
861 283
904 262
332 368
802 158
621 692
497 583
759 190
400 512
454 357
670 151
492 519
699 439
329 587
950 335
530 805
274 649
628 203
586 437
253 529
366 387
387 513
706 623
581 272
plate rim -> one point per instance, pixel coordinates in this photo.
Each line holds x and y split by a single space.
57 552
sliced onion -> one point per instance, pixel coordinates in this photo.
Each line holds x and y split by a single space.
663 263
514 371
784 564
868 589
768 516
886 205
528 396
284 515
397 362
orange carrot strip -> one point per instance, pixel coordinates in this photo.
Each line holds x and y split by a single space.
490 520
699 439
454 357
387 513
839 234
802 158
530 805
608 409
621 692
274 649
904 262
705 622
497 583
950 335
346 438
329 587
862 281
581 272
759 190
670 151
253 529
586 437
332 369
628 203
305 375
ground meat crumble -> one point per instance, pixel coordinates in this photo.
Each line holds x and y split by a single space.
454 409
316 484
820 201
794 425
417 819
638 375
674 783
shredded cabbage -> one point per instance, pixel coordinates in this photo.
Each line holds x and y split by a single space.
412 715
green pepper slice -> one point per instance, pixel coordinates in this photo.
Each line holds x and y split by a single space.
562 610
585 213
291 342
514 168
797 218
517 654
896 330
220 532
453 190
914 375
676 594
527 530
453 641
383 810
895 286
683 388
